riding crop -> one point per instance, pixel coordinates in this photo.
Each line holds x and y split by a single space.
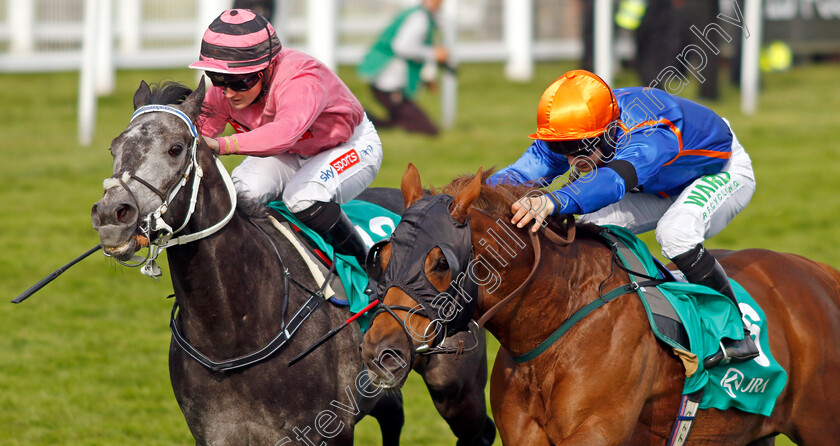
332 333
43 282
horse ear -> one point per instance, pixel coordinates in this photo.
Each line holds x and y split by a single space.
412 190
461 205
143 95
192 104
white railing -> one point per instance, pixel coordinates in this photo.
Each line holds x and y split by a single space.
47 35
97 37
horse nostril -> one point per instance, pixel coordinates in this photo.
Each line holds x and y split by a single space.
94 215
392 359
125 213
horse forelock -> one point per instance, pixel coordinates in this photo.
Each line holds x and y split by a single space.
143 133
169 92
494 200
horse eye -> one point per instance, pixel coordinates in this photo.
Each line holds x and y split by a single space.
175 150
441 265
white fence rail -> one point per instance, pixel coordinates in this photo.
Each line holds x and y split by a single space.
47 35
98 37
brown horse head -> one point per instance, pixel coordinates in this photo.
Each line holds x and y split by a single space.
429 274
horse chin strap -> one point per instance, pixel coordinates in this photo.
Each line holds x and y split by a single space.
154 222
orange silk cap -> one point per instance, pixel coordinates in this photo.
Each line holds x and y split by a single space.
577 105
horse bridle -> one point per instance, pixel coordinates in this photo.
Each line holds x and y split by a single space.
372 265
434 346
418 233
153 222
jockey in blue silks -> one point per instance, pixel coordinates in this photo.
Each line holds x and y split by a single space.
641 159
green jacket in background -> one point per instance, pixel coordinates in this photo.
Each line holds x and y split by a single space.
381 53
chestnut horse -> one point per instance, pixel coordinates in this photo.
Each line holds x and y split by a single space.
607 381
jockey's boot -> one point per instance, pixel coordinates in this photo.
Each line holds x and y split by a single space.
329 220
700 267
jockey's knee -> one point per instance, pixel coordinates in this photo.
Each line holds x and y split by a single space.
678 234
246 191
299 199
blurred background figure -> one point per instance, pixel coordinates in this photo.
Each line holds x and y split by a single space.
664 32
661 30
402 58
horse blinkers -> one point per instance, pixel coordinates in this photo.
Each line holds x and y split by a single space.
424 226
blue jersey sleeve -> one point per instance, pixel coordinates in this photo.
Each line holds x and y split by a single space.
595 190
537 163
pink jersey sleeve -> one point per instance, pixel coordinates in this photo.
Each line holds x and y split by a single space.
290 111
215 112
308 109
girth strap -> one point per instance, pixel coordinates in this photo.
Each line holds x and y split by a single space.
580 314
685 417
665 318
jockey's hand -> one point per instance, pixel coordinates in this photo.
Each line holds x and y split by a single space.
529 208
441 54
214 145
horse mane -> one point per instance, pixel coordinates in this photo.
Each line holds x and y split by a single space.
496 200
169 92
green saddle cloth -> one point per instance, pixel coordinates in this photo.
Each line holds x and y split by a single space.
376 223
707 317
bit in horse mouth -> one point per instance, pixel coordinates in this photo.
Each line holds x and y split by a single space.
384 384
124 251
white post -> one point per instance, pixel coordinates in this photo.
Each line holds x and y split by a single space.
519 40
750 48
449 79
87 74
130 19
21 25
105 48
206 12
279 19
322 30
604 54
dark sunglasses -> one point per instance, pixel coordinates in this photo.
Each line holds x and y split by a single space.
235 82
570 148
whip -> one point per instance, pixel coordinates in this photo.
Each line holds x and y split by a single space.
43 282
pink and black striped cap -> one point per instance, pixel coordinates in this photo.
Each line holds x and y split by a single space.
239 41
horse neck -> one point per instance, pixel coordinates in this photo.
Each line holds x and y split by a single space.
566 279
224 283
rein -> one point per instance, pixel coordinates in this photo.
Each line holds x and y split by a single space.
535 241
603 298
153 222
287 329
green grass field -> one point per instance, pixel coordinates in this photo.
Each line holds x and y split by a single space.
84 361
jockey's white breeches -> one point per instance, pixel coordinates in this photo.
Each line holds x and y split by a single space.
338 174
701 210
